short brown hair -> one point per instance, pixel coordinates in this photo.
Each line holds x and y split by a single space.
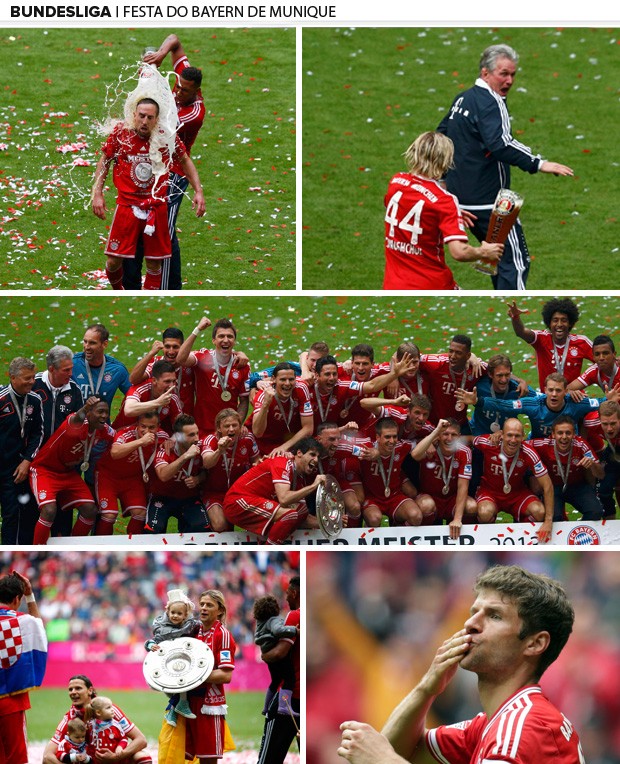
542 605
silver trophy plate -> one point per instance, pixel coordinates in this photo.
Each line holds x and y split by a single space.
330 507
179 665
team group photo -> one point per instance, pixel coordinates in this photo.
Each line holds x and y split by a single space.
289 419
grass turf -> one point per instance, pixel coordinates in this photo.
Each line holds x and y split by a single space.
146 709
279 328
367 93
245 155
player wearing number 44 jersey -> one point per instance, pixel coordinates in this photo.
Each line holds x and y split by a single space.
518 625
421 217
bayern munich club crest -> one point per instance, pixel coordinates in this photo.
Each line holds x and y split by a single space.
584 535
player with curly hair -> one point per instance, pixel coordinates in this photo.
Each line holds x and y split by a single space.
557 350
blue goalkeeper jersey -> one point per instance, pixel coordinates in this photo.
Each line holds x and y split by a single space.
540 415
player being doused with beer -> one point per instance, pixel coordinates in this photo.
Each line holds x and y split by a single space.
142 147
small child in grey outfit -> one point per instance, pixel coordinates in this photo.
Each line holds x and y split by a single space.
176 621
270 629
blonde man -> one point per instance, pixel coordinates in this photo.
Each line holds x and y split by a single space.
421 217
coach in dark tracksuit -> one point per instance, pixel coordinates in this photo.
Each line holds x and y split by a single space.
478 124
21 433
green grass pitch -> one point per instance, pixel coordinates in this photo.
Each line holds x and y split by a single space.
53 92
367 93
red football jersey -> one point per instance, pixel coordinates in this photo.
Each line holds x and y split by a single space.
343 465
284 417
235 462
260 479
78 713
526 728
442 384
185 383
133 172
105 736
191 116
175 488
494 457
329 407
457 465
65 448
420 218
372 479
223 646
130 467
579 349
594 376
293 619
209 400
544 449
142 393
416 385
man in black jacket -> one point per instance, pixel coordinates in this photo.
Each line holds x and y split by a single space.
479 125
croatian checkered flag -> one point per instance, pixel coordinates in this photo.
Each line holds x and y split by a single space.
23 652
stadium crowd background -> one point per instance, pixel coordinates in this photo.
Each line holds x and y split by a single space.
113 597
375 620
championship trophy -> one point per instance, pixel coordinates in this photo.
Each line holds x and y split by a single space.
504 215
179 665
330 507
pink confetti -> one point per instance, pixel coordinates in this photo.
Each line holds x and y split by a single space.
71 147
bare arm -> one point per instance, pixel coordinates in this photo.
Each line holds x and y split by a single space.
459 507
121 450
465 253
33 608
544 532
514 314
191 173
133 407
277 652
171 45
184 357
138 373
406 725
422 446
287 497
220 676
243 406
97 198
398 369
166 472
49 753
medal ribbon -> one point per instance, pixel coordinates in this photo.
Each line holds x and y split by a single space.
91 385
21 415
